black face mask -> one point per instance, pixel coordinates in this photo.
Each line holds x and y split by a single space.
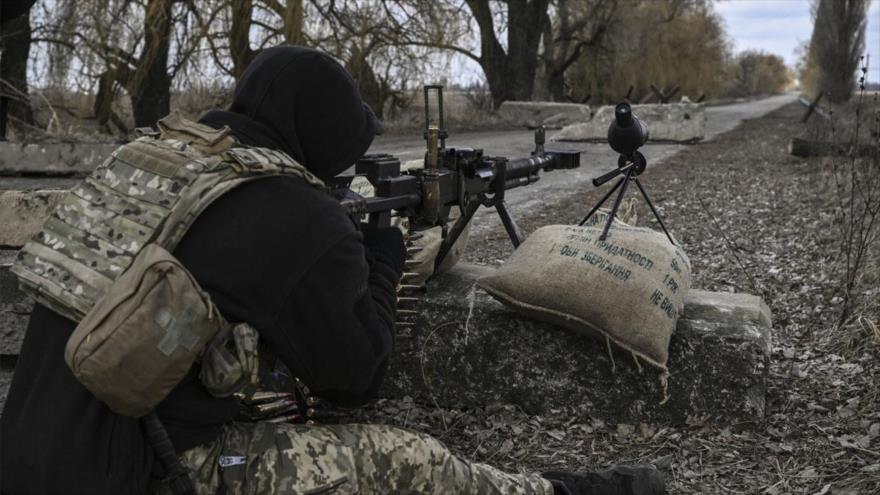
302 102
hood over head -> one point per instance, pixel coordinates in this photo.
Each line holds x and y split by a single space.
302 102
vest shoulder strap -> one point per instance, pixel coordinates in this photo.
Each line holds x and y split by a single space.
148 191
206 139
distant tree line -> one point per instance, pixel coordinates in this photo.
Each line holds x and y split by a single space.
130 56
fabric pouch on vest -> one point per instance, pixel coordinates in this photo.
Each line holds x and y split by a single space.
231 363
138 341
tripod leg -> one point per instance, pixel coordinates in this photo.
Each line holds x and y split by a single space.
656 215
617 200
513 230
600 203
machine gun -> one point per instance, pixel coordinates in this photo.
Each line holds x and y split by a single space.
450 177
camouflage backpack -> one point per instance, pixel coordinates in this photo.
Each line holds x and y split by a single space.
103 259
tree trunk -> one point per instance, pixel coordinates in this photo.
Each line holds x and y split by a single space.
560 49
556 86
839 39
293 22
239 36
372 91
150 88
16 40
108 88
805 148
510 74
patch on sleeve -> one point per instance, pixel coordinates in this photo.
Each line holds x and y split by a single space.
226 461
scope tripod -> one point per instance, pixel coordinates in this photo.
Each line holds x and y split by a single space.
631 166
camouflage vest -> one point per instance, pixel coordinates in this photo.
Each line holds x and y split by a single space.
148 191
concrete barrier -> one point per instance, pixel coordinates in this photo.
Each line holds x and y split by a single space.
467 349
672 122
553 115
53 158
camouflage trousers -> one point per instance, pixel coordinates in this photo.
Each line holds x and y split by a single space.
270 458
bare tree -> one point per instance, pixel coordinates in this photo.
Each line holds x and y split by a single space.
15 38
759 73
667 43
125 46
837 43
569 31
510 72
371 38
234 24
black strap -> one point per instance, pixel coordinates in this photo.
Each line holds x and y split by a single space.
175 474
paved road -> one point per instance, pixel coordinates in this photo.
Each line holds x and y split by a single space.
724 118
596 158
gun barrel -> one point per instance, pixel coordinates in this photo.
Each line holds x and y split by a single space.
529 167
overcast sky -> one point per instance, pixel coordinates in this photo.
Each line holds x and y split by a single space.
779 26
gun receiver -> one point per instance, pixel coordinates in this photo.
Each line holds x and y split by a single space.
462 177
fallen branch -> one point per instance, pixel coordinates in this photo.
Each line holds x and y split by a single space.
805 148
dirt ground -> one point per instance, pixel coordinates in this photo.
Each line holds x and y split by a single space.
752 219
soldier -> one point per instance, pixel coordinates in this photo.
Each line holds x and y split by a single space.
238 199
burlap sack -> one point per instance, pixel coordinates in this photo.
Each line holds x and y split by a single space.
629 289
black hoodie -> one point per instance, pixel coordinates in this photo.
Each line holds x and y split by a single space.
275 252
302 102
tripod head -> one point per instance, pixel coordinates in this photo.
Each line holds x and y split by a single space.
626 134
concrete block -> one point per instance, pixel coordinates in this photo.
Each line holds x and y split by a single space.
671 122
22 213
53 158
466 349
553 115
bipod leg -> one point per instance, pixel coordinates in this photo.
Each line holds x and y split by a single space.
624 182
656 215
456 231
513 230
602 201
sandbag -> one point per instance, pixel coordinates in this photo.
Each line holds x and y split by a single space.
628 289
